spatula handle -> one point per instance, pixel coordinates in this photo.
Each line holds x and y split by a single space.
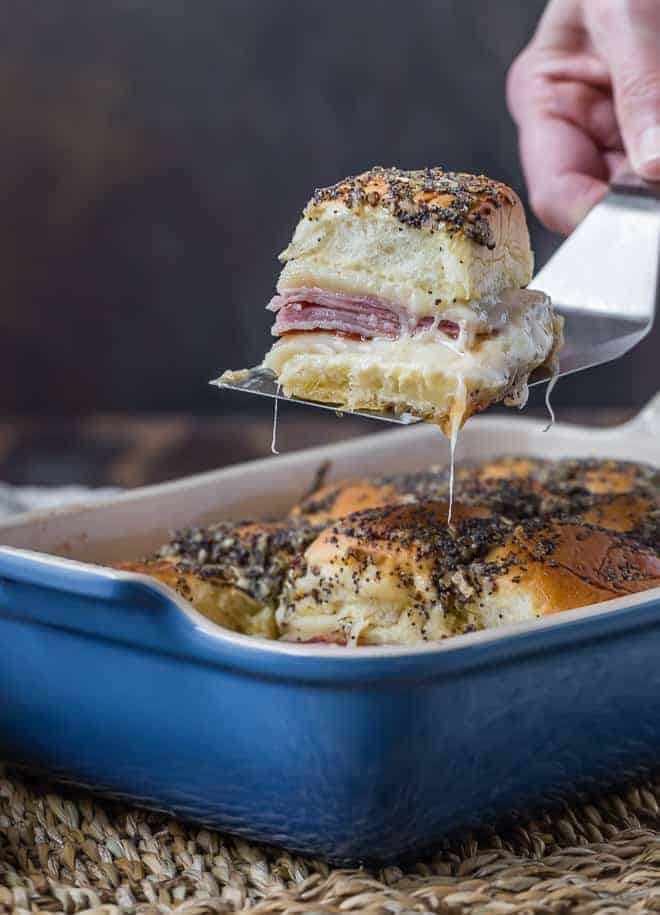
626 181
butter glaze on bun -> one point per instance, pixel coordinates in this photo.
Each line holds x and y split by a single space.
379 576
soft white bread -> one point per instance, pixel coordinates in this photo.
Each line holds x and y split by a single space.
425 240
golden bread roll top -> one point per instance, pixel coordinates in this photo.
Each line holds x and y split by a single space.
615 495
530 537
603 476
416 532
336 500
563 566
511 468
424 198
622 512
422 240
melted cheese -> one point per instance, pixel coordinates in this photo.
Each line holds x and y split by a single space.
421 374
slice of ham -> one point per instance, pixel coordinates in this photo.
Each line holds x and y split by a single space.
363 316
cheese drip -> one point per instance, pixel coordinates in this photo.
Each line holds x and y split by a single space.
456 422
548 393
273 441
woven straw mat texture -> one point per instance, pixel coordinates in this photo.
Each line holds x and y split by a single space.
60 854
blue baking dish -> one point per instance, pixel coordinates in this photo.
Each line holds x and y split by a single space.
112 681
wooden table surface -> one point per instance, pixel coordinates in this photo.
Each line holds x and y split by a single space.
131 450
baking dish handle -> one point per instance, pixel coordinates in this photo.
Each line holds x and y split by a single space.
103 603
58 574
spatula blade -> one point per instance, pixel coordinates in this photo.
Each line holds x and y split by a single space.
264 382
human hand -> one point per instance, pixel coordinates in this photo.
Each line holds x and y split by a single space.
585 93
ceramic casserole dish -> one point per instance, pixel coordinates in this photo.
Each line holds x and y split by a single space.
111 681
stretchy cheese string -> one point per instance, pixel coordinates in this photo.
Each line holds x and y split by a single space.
452 462
548 391
273 441
457 415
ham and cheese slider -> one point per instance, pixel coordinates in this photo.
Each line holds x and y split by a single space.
403 290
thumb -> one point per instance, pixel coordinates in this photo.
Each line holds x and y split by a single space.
626 35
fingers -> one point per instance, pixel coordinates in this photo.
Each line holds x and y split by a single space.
563 127
584 106
626 33
564 169
586 89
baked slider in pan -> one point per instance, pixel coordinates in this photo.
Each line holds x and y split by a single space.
400 575
404 290
373 561
231 573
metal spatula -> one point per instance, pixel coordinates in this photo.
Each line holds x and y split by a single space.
603 279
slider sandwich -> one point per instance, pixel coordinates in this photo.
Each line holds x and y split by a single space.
404 290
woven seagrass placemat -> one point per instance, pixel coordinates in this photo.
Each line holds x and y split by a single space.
63 853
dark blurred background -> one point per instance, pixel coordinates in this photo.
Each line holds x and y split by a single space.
155 156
